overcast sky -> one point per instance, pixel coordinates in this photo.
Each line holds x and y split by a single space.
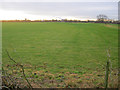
35 9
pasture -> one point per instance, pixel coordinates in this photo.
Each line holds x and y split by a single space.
61 47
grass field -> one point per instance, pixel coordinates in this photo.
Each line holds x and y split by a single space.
61 47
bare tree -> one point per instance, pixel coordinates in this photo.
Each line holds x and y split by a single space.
102 17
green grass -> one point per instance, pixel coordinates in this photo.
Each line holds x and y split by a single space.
60 46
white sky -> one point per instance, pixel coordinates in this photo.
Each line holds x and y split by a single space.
59 0
57 9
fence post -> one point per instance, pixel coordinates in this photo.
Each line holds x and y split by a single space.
107 75
107 69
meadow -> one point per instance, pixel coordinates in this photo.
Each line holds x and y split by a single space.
58 47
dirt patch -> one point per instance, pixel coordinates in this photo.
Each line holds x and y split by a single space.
111 26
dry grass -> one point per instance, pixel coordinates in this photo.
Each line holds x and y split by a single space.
43 79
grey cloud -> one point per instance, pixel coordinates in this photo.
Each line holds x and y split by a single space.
85 9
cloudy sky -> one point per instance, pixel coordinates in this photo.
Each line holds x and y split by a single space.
57 9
